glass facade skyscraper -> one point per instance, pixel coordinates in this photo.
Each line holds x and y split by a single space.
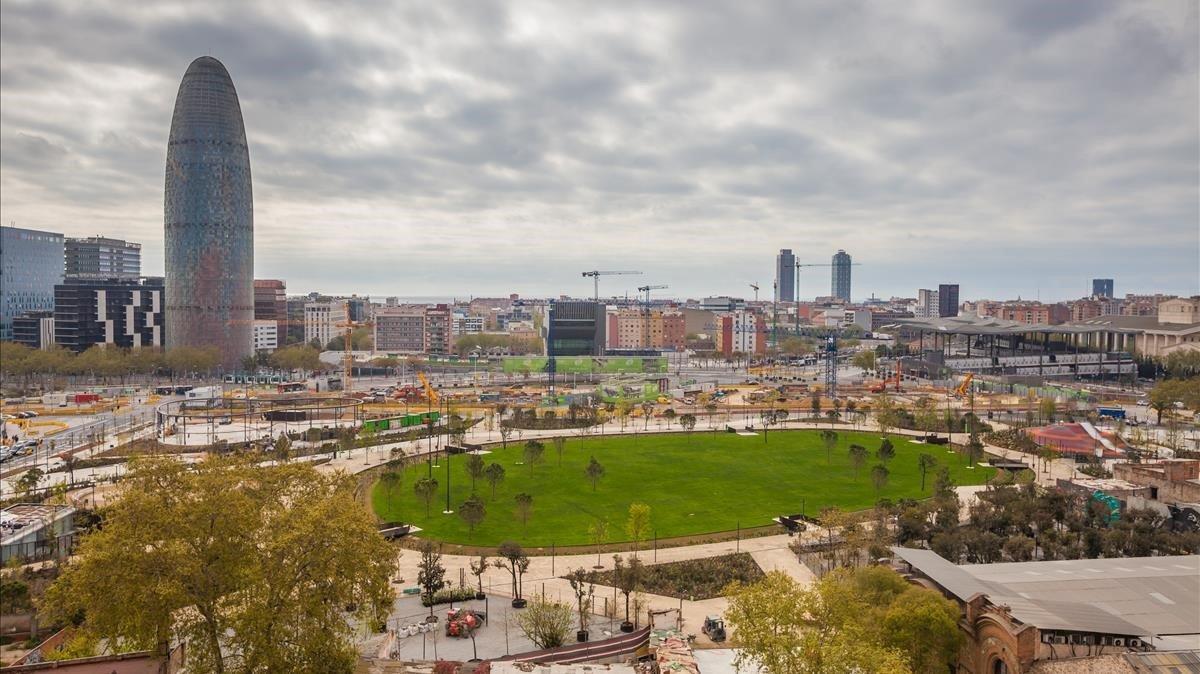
209 218
31 264
841 276
785 275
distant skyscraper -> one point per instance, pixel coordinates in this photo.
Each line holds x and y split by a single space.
31 264
1102 287
785 275
948 299
841 276
99 258
209 218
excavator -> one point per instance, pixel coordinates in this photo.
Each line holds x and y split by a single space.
964 386
894 379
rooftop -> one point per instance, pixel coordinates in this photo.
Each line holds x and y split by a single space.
975 325
19 520
1134 596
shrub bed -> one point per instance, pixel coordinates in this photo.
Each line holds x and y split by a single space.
695 578
1013 438
448 596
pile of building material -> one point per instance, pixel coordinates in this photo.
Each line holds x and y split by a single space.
673 652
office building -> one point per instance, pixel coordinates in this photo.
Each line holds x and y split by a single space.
785 275
927 304
98 258
321 321
840 285
722 304
439 329
1102 287
126 313
947 300
34 329
573 328
209 217
31 264
266 336
271 304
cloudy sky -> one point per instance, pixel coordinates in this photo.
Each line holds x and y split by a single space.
456 148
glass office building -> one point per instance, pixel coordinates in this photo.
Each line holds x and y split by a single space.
840 283
209 218
31 264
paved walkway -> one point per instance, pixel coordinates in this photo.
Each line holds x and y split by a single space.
543 576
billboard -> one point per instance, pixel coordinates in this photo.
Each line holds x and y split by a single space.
587 364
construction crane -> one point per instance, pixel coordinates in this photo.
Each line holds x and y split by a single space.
596 274
646 311
831 367
431 394
754 286
348 352
807 264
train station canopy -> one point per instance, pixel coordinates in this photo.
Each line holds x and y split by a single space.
976 325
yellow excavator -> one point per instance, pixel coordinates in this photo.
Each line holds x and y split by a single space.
429 390
964 385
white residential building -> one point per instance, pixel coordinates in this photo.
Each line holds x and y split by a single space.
266 335
321 321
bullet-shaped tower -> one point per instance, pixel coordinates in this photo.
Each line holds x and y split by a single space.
209 218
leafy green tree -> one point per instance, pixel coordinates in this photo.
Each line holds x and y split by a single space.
560 443
925 463
594 472
814 403
30 480
513 559
627 577
637 524
858 457
865 360
687 422
669 414
886 451
534 451
545 623
220 554
283 447
879 477
494 474
426 488
781 626
475 468
829 438
583 586
524 507
431 575
391 480
472 511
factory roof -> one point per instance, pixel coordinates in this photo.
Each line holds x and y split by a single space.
1134 596
974 325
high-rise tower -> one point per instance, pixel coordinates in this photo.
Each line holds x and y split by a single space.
785 275
840 286
209 218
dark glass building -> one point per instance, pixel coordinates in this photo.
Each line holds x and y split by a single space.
785 275
209 218
1102 287
947 299
575 329
31 263
840 284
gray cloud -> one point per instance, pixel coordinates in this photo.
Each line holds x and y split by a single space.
485 147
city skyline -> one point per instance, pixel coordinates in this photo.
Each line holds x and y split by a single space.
983 147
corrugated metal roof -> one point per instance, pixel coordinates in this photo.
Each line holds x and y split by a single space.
1153 595
1174 662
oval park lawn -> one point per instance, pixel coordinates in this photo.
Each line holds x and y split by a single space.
705 483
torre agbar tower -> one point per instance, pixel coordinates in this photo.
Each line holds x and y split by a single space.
209 218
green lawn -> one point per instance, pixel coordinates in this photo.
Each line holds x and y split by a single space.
706 484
